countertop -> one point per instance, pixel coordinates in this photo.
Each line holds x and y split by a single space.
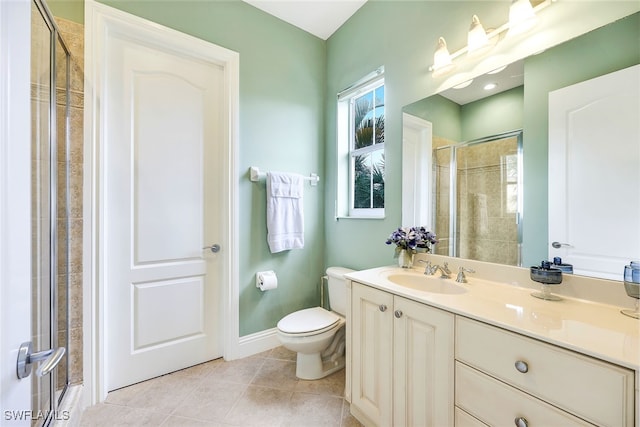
588 327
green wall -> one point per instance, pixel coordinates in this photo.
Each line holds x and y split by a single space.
282 76
401 35
72 10
500 113
288 85
444 115
404 41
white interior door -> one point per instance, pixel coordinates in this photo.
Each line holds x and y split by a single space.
15 205
416 172
596 215
162 191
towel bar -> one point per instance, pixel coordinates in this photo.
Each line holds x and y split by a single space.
255 175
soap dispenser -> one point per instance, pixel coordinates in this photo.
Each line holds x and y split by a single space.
566 268
547 275
632 287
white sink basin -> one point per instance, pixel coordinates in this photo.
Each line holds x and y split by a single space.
424 283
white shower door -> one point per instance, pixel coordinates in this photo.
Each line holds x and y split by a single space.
163 176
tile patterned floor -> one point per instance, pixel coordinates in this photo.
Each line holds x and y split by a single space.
260 391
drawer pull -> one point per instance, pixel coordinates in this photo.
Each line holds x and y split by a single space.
521 422
383 308
522 366
398 314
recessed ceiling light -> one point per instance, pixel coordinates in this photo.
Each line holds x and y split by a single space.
490 86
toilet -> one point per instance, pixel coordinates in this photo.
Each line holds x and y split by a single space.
317 334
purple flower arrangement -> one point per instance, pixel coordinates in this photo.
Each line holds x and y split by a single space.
412 239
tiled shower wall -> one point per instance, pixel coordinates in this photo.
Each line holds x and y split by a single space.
73 35
486 206
486 218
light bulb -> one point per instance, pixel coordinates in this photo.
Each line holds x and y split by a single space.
522 17
441 59
477 39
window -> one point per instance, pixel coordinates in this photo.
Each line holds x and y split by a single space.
361 160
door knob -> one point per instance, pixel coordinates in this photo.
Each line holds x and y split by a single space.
26 358
215 248
558 245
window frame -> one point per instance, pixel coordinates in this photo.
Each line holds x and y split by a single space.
345 147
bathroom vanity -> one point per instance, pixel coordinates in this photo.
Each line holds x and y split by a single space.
427 351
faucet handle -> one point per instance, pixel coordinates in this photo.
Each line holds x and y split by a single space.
461 276
428 268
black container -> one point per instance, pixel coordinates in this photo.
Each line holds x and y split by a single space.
546 274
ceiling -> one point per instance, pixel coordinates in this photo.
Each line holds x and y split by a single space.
318 17
508 78
323 17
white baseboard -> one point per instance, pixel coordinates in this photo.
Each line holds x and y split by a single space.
258 342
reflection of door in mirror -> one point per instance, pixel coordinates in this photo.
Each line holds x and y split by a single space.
477 188
593 212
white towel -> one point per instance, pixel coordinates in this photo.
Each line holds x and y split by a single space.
285 217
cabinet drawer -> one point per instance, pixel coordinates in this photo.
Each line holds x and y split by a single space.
497 404
463 419
597 391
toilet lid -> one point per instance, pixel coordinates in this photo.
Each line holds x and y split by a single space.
307 320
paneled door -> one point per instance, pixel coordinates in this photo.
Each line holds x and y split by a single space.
15 206
162 188
593 216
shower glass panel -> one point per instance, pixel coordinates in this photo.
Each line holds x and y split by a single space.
49 187
477 195
442 161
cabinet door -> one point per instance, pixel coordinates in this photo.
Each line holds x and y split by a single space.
423 365
372 326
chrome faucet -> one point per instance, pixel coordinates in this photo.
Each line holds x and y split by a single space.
461 276
430 269
444 269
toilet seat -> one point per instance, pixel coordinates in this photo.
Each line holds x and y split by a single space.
310 321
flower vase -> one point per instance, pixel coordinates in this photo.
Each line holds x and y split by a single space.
405 259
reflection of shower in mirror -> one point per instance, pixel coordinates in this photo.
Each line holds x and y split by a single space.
476 196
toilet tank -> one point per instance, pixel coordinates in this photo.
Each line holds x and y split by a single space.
337 286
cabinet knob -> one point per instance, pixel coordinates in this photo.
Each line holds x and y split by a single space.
521 422
522 366
383 307
398 314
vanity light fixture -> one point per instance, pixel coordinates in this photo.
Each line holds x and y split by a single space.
442 63
477 39
522 16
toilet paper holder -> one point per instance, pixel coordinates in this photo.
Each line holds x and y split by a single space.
266 280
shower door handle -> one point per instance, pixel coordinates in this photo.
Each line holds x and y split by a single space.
49 358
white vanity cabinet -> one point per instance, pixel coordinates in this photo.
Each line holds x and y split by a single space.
491 356
402 360
503 378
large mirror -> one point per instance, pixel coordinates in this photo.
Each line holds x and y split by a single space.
459 118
